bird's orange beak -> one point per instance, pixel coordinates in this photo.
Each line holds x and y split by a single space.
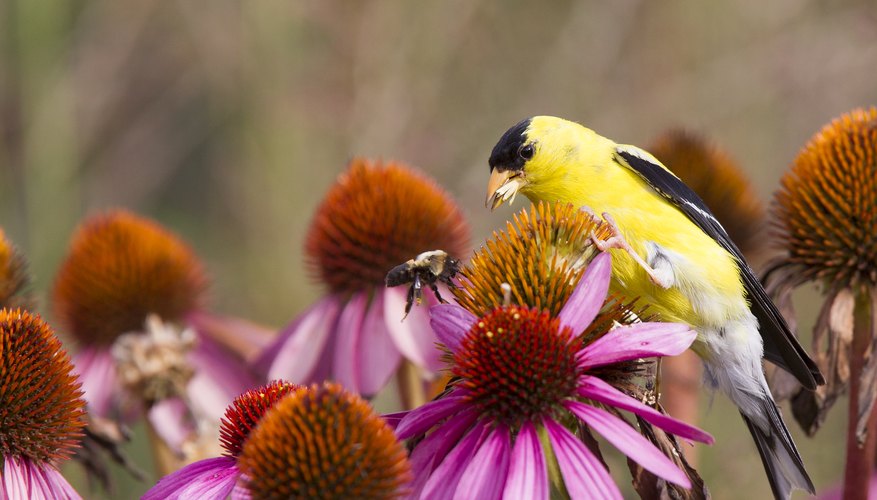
503 185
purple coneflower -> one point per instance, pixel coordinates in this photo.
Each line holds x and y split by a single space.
375 217
523 375
120 271
215 478
41 409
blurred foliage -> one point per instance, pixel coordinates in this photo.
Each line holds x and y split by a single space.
228 120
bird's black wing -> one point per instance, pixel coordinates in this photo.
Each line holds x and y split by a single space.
781 347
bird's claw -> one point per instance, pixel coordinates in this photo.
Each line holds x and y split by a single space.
616 240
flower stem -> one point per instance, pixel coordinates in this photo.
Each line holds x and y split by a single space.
411 390
680 392
860 457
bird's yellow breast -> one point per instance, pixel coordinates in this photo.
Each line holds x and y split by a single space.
707 289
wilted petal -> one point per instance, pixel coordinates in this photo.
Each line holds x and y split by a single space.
598 390
413 337
583 474
485 475
298 349
450 323
21 478
527 477
345 363
208 479
97 373
219 378
629 442
172 422
378 356
419 420
588 296
442 484
640 340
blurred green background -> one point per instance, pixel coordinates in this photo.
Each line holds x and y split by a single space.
227 121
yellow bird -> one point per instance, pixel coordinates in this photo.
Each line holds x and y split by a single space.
670 250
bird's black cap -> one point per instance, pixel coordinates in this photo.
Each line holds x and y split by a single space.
505 154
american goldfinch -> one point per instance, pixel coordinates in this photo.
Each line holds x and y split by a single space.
670 250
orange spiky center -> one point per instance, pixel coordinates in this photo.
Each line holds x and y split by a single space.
245 412
826 207
517 364
718 180
119 269
323 442
375 217
13 272
542 254
42 412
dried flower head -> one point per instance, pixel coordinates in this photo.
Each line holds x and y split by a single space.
541 255
826 209
716 177
119 269
13 273
826 219
41 407
376 216
323 442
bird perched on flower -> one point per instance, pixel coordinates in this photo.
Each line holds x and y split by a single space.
672 252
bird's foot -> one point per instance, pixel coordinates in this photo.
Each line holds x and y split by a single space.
616 240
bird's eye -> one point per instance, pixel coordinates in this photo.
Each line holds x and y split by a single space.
526 152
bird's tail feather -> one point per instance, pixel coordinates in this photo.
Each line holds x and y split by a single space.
782 463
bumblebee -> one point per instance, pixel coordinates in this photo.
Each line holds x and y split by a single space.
427 268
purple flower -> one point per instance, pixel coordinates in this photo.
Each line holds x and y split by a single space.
522 375
377 215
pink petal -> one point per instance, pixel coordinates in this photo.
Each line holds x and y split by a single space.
641 340
450 323
298 349
172 422
598 390
244 337
528 476
442 483
208 479
583 474
97 373
219 378
393 419
345 363
485 475
413 337
21 478
430 452
378 357
629 442
420 420
588 296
